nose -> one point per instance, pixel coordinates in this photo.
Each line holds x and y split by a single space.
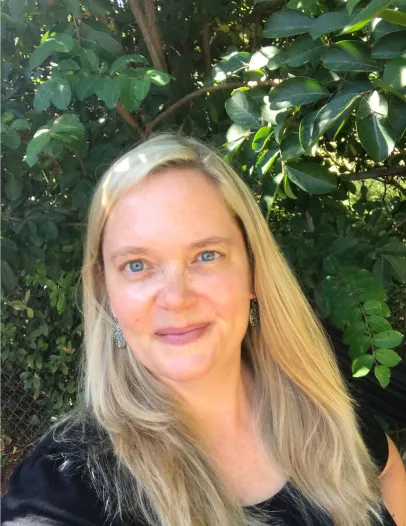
174 288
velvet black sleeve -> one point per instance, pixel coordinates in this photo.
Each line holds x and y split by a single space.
374 437
42 491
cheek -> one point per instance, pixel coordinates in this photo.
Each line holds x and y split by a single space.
229 292
129 304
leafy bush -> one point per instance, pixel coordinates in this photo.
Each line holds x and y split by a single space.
306 99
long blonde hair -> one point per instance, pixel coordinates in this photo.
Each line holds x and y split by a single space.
144 453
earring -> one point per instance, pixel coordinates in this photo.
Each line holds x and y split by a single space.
254 313
118 336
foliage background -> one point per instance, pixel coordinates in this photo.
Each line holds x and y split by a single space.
306 99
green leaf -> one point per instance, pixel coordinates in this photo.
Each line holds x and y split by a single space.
140 88
387 357
261 138
388 339
98 7
342 245
331 264
350 55
13 188
295 92
378 324
61 94
394 16
372 307
243 109
266 161
8 278
397 119
362 365
394 247
9 137
382 373
350 4
390 46
230 65
381 28
89 59
42 97
20 125
36 382
315 124
68 65
287 188
270 56
160 78
18 305
69 130
371 11
38 362
287 23
35 146
328 23
291 147
101 39
374 129
312 177
50 230
382 272
61 43
85 85
122 63
109 90
73 6
398 265
304 49
395 74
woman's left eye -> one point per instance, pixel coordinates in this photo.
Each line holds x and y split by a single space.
210 253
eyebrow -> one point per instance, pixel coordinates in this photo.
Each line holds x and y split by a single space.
213 240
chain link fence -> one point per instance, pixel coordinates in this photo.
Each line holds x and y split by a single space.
23 420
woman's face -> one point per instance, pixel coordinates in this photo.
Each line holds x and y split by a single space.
174 257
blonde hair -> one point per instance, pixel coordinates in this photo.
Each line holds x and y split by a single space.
144 452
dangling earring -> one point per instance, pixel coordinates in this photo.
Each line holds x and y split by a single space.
118 336
254 313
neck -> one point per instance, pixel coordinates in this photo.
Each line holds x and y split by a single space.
221 402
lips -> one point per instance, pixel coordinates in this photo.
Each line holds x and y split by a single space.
181 330
189 334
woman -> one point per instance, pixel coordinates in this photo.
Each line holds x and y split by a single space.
209 384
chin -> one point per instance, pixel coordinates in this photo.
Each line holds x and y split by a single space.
186 368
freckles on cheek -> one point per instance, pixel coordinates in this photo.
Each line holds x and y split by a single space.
131 304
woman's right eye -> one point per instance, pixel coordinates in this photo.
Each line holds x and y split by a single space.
135 266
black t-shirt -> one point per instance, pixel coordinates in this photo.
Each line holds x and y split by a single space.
42 494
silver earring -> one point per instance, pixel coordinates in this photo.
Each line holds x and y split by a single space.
118 336
254 313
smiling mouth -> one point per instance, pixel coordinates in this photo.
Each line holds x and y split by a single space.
181 338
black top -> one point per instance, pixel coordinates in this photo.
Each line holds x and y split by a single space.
40 494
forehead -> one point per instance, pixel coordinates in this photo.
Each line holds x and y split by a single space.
178 205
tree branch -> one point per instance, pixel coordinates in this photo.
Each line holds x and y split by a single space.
126 115
206 48
82 166
379 172
145 16
190 96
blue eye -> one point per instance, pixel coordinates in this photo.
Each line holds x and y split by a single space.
209 252
135 265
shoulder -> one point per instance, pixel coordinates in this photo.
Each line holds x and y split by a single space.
48 487
374 437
